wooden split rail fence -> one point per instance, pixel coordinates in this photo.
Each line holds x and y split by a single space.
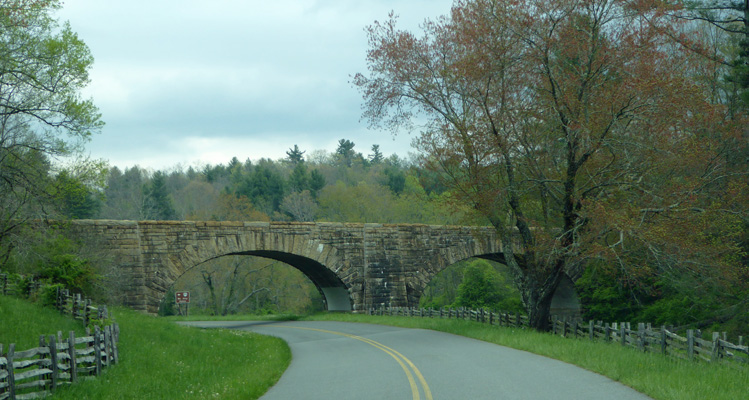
644 338
10 286
66 303
79 308
58 361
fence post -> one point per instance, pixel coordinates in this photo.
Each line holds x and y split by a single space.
71 354
74 306
97 350
716 347
623 334
62 300
107 345
57 299
42 343
53 358
115 339
574 329
664 337
11 374
690 344
607 332
641 341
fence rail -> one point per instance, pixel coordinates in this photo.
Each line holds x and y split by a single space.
65 302
644 337
10 286
58 361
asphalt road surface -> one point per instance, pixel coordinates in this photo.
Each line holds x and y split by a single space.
340 360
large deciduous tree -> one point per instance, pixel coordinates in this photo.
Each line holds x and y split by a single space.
574 127
43 67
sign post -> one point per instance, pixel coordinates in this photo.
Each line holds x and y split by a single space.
182 298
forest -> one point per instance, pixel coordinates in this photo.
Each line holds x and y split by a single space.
611 135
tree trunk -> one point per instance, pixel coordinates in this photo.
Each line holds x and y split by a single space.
538 293
539 311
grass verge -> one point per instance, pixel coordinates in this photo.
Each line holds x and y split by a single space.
158 359
162 360
662 378
22 323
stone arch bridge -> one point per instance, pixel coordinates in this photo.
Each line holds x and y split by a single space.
355 266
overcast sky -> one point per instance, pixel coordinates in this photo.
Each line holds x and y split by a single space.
192 82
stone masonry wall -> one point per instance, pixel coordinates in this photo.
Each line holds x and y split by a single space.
377 264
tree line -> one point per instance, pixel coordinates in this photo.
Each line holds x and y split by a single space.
343 186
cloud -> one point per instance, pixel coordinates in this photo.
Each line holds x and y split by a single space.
180 81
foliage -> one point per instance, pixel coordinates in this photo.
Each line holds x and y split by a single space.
605 296
77 201
57 261
608 294
376 157
167 305
295 156
264 187
345 152
473 283
567 127
43 68
244 284
731 18
50 293
299 179
236 208
157 203
300 206
124 195
480 287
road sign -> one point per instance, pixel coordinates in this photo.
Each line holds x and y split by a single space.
182 297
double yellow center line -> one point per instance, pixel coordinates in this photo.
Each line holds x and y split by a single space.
404 362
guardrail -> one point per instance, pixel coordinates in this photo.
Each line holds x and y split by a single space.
645 337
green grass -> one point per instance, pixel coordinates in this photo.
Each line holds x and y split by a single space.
22 323
158 358
660 377
162 360
235 317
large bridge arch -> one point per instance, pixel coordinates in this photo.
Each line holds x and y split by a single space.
334 292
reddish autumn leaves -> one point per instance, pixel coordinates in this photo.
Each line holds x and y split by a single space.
583 128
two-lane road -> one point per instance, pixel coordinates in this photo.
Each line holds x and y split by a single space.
339 360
